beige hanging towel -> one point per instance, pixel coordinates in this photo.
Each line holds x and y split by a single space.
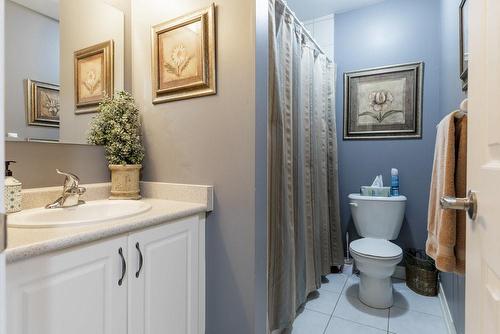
446 228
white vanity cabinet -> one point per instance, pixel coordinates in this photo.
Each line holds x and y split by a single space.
74 291
78 290
167 291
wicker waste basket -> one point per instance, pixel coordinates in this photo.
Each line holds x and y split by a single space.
421 272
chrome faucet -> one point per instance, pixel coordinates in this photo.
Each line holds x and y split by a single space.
71 192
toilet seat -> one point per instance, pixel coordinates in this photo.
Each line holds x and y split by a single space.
376 248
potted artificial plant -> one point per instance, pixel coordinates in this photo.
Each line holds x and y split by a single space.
117 127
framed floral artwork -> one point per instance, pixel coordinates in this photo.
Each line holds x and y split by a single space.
183 57
94 75
42 103
384 102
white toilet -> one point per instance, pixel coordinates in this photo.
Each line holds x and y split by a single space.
377 220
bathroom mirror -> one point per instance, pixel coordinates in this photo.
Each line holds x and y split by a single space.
61 57
464 43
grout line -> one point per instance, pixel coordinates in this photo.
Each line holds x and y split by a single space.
360 323
337 303
408 309
388 319
316 311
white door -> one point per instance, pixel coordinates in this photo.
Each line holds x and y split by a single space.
73 291
164 291
483 234
3 233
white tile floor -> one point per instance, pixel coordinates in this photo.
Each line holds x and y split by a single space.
336 309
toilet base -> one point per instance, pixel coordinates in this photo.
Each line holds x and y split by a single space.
375 292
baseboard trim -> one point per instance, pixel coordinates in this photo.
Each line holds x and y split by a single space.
450 325
400 273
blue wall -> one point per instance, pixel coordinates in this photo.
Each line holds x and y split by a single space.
392 32
451 96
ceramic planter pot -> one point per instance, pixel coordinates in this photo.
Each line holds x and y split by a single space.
125 181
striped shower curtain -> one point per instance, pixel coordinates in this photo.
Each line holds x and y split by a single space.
304 223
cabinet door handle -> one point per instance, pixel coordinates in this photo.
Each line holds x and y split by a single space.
141 260
124 266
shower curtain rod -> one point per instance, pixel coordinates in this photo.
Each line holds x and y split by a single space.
304 29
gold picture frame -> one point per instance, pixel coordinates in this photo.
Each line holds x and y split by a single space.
94 74
42 103
183 57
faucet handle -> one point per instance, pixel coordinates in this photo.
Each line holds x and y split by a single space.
71 192
71 181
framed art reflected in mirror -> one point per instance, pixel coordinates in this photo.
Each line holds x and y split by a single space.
41 38
42 101
93 75
464 43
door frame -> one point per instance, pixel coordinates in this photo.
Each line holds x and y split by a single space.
2 154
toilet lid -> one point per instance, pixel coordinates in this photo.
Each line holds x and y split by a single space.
379 248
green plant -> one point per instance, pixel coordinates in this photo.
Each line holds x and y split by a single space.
117 126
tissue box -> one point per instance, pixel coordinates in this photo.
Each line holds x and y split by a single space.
376 191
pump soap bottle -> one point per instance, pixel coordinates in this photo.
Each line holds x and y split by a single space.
12 194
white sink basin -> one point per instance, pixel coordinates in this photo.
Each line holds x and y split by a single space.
85 214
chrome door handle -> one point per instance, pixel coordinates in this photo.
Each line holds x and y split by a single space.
468 204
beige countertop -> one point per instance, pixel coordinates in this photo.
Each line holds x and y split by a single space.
24 243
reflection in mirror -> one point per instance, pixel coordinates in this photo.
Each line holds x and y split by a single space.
61 58
464 42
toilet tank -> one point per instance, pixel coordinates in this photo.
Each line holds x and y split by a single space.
377 217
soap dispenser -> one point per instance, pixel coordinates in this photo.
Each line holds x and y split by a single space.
12 194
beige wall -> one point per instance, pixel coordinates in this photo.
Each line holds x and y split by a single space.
125 7
37 162
84 23
209 140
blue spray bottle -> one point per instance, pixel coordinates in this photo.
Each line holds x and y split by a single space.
394 182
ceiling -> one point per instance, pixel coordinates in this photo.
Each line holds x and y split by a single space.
48 8
309 9
305 9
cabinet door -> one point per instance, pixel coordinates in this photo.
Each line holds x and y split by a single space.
72 291
164 297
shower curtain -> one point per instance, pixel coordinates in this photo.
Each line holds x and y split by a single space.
304 223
